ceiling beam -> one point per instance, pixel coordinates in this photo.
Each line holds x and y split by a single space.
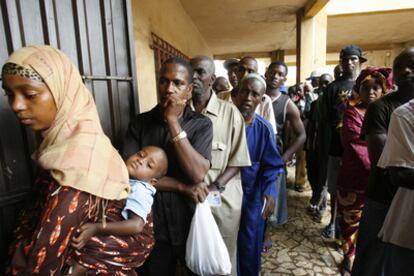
312 7
242 54
364 47
368 47
370 13
330 49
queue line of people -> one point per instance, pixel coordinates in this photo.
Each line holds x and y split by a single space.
347 127
97 213
93 217
341 145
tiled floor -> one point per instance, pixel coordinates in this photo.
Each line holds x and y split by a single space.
298 248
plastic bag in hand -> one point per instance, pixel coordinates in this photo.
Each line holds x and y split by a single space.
206 252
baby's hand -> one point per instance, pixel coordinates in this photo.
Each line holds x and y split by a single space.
86 232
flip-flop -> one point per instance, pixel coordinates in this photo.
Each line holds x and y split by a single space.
267 245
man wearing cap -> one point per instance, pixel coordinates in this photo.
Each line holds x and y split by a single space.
229 152
315 75
314 83
246 66
314 91
307 158
336 93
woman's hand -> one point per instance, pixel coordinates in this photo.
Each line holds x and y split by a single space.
86 232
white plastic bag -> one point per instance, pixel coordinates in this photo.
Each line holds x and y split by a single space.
206 253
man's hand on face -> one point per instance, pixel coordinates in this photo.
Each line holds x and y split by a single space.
173 107
198 193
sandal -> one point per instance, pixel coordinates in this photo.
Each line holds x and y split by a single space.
267 245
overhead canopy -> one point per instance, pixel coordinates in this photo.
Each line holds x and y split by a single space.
373 29
234 26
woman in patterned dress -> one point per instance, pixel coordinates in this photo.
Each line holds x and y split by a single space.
352 178
83 178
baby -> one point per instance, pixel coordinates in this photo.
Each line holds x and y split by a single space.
145 168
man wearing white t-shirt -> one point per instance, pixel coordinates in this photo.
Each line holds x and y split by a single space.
398 158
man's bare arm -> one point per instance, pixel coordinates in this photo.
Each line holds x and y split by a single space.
296 124
197 192
228 174
192 162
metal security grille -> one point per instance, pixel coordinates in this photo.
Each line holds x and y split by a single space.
163 51
98 37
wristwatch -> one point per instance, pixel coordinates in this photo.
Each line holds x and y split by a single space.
179 136
219 186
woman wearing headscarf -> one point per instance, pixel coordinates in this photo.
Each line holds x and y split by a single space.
83 178
352 179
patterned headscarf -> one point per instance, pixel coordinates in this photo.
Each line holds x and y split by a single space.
382 75
14 69
74 149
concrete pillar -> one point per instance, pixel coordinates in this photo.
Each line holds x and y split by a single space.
311 43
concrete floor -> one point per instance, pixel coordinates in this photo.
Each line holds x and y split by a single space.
298 248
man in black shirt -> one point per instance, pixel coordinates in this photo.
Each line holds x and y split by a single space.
317 152
187 138
379 194
335 96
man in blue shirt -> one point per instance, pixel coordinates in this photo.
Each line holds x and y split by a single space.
258 180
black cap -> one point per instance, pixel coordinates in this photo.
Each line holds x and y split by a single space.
352 50
229 62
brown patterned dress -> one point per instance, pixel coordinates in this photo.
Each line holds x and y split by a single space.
43 237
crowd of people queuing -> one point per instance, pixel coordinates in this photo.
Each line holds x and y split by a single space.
96 214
